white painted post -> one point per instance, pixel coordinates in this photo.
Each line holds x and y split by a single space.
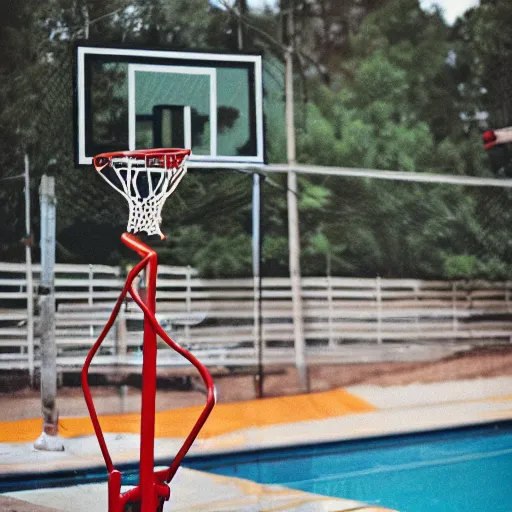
454 309
378 285
188 300
417 304
49 439
331 310
29 279
293 228
90 298
121 341
121 333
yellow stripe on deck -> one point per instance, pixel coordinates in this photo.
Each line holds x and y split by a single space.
225 418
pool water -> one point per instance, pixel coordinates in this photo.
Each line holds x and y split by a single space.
466 470
459 470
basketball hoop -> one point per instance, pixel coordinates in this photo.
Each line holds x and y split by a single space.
146 178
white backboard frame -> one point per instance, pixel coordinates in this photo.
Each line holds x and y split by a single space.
205 161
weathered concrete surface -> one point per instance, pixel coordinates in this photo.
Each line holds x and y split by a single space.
197 491
8 504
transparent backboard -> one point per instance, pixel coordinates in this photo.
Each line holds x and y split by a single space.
139 98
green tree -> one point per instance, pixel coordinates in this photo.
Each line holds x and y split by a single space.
382 84
402 108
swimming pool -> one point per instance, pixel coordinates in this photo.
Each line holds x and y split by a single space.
466 469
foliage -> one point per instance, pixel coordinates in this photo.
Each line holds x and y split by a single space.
380 84
405 107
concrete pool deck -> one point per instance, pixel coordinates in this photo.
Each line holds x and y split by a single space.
197 491
355 412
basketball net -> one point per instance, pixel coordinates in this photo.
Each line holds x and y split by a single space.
146 181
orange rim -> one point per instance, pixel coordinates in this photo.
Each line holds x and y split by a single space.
168 158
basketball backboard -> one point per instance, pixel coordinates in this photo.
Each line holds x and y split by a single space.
211 103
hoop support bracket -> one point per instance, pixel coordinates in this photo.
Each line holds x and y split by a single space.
152 490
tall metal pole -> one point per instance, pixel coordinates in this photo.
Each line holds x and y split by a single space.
256 241
30 286
256 270
293 218
242 12
85 12
49 439
148 407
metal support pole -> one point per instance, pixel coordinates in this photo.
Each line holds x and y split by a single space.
256 241
256 271
49 439
256 212
30 285
293 229
147 413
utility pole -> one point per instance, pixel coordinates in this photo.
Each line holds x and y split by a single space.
242 11
30 286
288 45
256 239
85 12
49 439
293 210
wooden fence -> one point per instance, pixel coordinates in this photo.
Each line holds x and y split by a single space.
345 319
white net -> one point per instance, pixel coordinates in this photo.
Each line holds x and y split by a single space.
145 188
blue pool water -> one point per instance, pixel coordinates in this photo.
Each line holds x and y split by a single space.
466 470
460 470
